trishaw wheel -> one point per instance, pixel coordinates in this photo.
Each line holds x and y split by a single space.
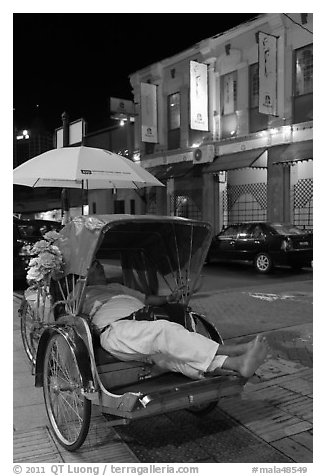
68 410
30 330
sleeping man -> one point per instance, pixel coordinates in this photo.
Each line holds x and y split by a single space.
166 344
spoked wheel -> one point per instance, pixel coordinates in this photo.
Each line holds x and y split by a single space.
263 263
68 410
30 329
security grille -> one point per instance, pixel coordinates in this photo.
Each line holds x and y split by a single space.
246 202
183 205
302 200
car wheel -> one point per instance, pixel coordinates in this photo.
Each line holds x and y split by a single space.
263 263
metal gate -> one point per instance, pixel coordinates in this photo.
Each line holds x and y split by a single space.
302 203
245 202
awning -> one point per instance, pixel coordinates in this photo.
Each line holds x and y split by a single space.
164 172
248 158
296 152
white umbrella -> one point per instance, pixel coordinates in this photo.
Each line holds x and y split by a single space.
82 167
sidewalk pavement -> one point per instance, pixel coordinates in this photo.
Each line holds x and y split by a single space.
276 404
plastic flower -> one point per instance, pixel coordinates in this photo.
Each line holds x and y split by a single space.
48 261
34 274
40 246
51 236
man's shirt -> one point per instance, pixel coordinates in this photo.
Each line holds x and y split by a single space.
107 303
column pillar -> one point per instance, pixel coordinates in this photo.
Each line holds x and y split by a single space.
210 200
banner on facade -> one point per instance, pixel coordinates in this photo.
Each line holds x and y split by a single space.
228 94
121 106
148 108
198 96
267 58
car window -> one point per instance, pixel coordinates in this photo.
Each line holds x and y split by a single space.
36 230
285 229
256 231
244 231
229 232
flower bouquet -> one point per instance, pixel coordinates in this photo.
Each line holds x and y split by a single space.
47 263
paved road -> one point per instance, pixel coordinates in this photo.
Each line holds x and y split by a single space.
270 423
225 276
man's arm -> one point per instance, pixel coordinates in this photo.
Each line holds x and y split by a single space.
161 300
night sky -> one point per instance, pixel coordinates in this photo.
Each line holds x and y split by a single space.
74 62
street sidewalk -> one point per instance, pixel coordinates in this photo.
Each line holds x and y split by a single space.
276 404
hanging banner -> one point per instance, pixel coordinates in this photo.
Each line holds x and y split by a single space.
148 108
228 94
198 96
267 58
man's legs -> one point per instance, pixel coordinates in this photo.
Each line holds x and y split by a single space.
235 349
136 340
245 363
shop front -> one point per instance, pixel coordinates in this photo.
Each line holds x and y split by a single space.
290 183
241 179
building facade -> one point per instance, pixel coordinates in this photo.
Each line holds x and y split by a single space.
227 125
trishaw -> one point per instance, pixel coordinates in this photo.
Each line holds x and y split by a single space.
152 254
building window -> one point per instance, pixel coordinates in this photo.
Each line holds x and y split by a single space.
303 84
174 120
119 206
132 207
257 121
229 93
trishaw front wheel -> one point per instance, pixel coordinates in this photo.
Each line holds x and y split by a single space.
30 330
68 410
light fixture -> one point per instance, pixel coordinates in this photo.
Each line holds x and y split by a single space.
122 122
136 156
195 145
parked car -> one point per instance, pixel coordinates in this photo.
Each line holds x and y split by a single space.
264 244
26 233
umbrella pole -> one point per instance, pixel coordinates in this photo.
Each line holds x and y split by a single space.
87 195
82 198
65 206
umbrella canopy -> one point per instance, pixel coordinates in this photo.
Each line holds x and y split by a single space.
82 167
